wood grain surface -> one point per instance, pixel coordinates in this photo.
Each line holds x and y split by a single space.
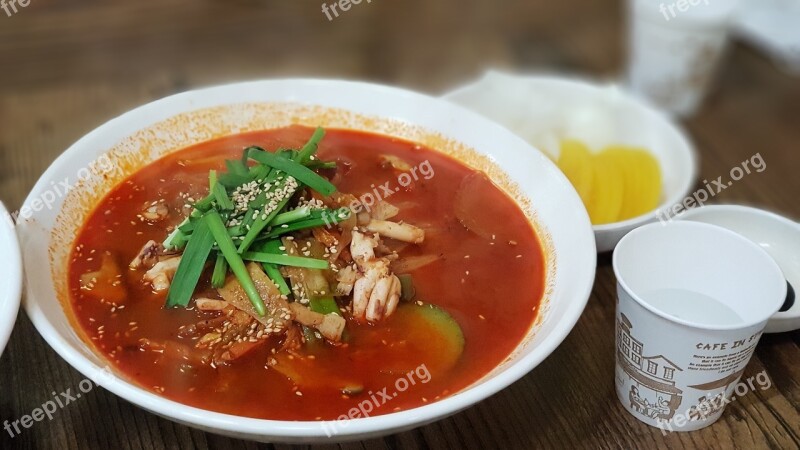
67 67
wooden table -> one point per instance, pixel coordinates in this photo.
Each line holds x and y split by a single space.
66 67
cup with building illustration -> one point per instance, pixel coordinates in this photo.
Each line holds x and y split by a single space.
692 302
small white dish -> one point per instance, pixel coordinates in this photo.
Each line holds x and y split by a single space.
11 268
544 110
149 132
779 236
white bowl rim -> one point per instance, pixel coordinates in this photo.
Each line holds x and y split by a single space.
646 108
308 430
11 292
794 312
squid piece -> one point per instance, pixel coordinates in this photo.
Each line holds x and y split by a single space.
210 304
160 276
376 292
148 255
399 231
384 210
155 212
346 278
331 326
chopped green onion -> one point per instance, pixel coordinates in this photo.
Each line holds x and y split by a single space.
300 172
187 227
316 165
223 201
191 266
260 223
291 216
286 260
324 305
274 246
220 272
238 268
176 239
311 146
295 226
232 180
219 192
206 203
275 275
237 167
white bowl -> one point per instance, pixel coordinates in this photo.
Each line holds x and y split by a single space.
146 133
543 110
11 268
779 236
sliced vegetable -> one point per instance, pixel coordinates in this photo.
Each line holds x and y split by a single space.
176 239
286 260
311 146
191 266
291 216
277 309
608 190
474 211
294 226
312 281
575 160
105 282
412 263
220 272
262 220
407 290
302 173
220 234
275 275
442 336
218 190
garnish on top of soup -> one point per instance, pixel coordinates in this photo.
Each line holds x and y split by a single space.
295 283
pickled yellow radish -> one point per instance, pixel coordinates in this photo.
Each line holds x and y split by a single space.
575 161
608 190
642 179
616 183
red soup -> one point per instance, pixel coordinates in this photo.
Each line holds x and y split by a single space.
287 275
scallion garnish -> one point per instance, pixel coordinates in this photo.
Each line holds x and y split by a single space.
220 272
275 275
300 172
214 223
286 260
244 206
191 266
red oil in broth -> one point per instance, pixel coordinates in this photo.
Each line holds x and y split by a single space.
492 288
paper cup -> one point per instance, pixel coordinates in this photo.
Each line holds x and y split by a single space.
675 48
692 302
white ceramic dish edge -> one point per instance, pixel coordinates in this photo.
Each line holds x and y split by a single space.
11 268
685 159
752 223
